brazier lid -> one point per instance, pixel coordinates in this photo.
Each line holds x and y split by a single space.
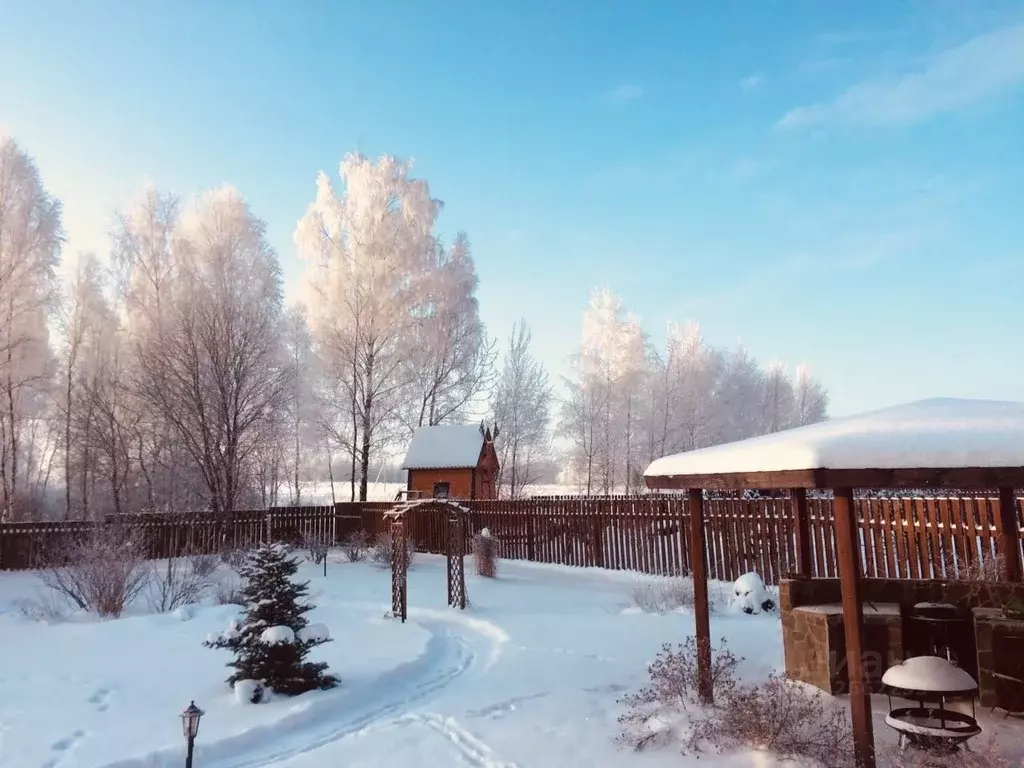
931 674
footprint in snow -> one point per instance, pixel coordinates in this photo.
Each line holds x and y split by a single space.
610 688
62 747
503 708
100 699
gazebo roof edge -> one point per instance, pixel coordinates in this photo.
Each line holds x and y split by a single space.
968 478
942 442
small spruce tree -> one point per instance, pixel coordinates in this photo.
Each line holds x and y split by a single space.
272 599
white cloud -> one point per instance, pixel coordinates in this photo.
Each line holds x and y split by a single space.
623 93
980 68
750 82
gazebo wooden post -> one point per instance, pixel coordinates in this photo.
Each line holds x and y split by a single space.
802 530
848 551
701 609
1008 534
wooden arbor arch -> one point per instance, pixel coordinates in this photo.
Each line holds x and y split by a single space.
455 551
944 434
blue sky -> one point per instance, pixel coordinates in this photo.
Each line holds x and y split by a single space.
835 183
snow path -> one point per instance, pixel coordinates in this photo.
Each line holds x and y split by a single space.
380 702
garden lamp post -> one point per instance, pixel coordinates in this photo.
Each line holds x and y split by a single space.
190 727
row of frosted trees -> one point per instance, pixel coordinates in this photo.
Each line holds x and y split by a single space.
630 402
169 373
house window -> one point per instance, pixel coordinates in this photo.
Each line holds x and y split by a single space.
441 490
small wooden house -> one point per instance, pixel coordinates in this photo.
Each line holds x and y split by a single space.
452 461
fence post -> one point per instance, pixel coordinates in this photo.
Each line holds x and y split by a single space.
598 539
701 608
1008 533
853 625
530 547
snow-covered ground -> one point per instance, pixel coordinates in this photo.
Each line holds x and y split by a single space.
529 676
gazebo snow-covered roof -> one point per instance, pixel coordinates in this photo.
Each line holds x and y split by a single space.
445 446
941 442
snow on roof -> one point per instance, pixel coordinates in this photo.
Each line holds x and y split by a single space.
444 446
932 434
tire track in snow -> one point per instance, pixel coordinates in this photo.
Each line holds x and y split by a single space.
473 750
387 697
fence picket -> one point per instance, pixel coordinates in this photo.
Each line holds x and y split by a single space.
971 526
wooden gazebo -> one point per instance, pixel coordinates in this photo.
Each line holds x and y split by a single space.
943 443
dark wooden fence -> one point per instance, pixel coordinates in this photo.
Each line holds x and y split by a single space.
32 545
900 537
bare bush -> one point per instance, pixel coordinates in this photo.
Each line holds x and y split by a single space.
203 565
355 546
317 544
102 572
233 558
665 596
788 720
229 592
984 569
381 552
672 688
180 581
485 554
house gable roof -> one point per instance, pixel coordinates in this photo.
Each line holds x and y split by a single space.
444 446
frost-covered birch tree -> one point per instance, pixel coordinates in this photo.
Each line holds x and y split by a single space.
809 396
579 423
779 410
221 374
30 240
687 378
521 404
603 413
628 404
739 397
84 324
143 261
450 359
633 399
301 415
370 249
116 417
599 370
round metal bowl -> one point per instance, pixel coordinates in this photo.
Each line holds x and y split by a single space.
931 727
